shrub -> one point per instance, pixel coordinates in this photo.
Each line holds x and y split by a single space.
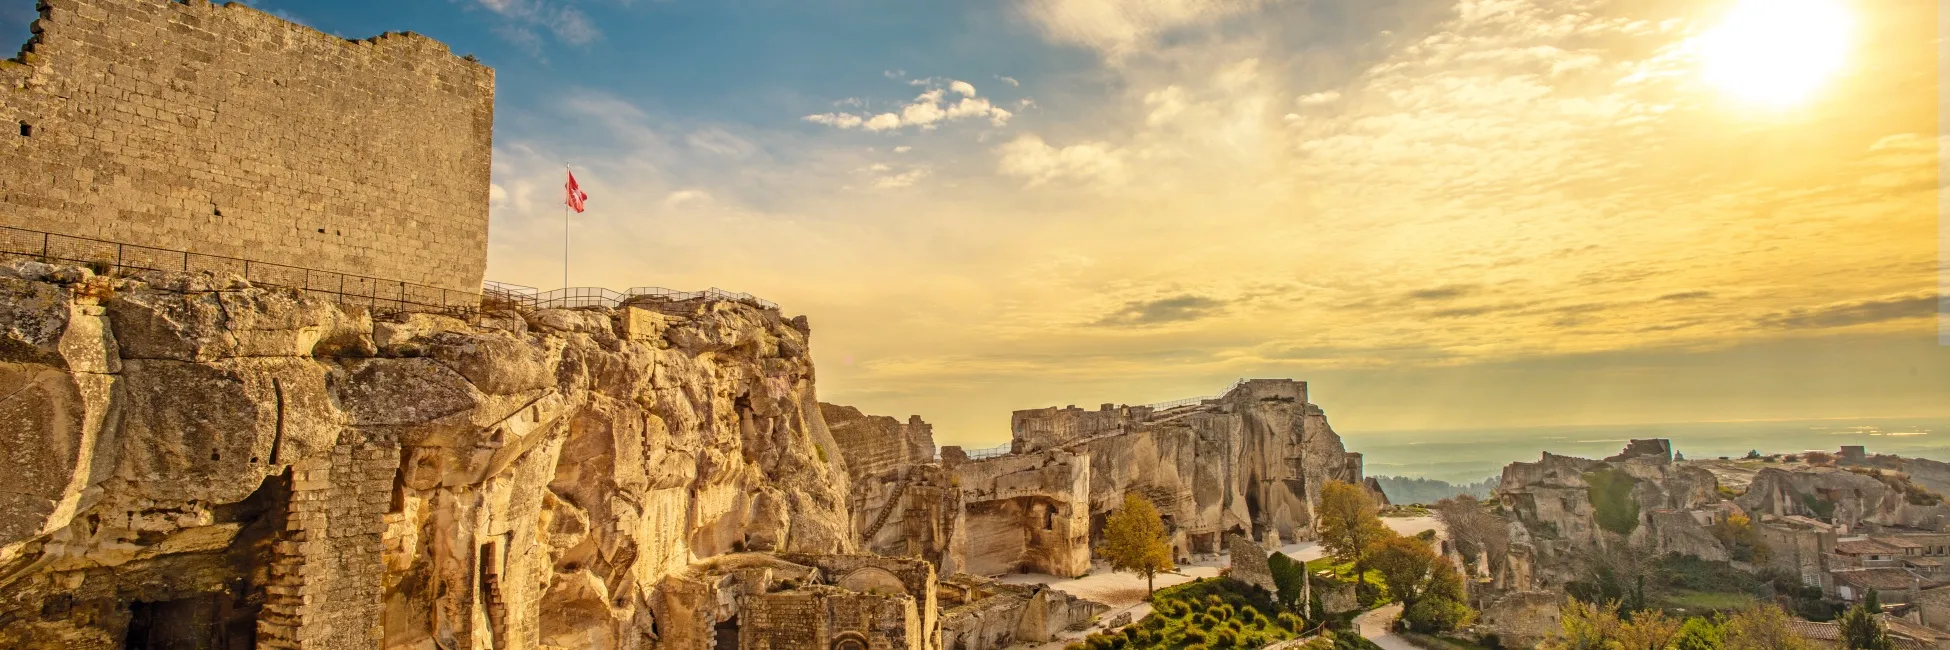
1194 635
1224 612
1292 622
1437 615
1225 638
1249 616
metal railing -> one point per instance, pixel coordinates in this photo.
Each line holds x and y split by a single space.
1160 406
986 453
379 295
1164 406
573 297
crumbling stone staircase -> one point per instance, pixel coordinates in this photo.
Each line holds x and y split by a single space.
893 501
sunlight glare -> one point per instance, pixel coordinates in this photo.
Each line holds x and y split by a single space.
1776 52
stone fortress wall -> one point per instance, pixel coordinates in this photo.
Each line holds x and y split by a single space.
222 130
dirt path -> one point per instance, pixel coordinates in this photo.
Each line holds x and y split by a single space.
1375 625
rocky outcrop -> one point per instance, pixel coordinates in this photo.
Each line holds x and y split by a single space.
1565 510
1250 462
902 501
197 460
1851 497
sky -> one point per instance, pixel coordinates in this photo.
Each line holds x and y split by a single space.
1443 214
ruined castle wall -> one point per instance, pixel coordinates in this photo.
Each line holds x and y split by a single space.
1039 429
225 131
1026 513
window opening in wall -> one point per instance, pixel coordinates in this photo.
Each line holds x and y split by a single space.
399 492
26 130
1049 519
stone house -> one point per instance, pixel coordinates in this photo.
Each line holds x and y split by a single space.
1865 553
1893 585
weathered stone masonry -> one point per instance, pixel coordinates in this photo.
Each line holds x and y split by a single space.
225 131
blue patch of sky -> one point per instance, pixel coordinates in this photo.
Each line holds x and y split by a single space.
764 63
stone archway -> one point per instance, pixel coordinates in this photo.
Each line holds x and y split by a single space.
849 641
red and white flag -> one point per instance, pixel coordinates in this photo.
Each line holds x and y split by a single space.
575 196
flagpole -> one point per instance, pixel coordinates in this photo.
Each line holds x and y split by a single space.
565 234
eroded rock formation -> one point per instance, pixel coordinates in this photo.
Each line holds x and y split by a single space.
1250 462
197 460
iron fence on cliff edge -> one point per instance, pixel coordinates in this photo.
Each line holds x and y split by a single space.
107 257
988 452
573 297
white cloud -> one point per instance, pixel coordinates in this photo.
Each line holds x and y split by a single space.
1118 28
1008 80
1319 98
684 197
1166 105
903 149
1030 158
885 177
903 179
497 195
927 111
721 142
838 120
568 23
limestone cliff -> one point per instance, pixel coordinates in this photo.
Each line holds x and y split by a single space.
902 500
1250 462
197 460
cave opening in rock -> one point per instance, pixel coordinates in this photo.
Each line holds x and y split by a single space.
183 624
211 600
728 634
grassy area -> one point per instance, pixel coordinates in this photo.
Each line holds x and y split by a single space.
1704 601
1213 613
1439 643
1345 572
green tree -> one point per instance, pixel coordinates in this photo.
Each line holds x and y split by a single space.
1648 630
1135 541
1585 626
1861 630
1350 526
1698 634
1404 564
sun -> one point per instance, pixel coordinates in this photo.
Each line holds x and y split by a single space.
1776 52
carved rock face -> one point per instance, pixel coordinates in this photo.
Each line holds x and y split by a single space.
416 480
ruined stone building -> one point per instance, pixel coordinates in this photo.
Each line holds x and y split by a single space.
1249 462
222 130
